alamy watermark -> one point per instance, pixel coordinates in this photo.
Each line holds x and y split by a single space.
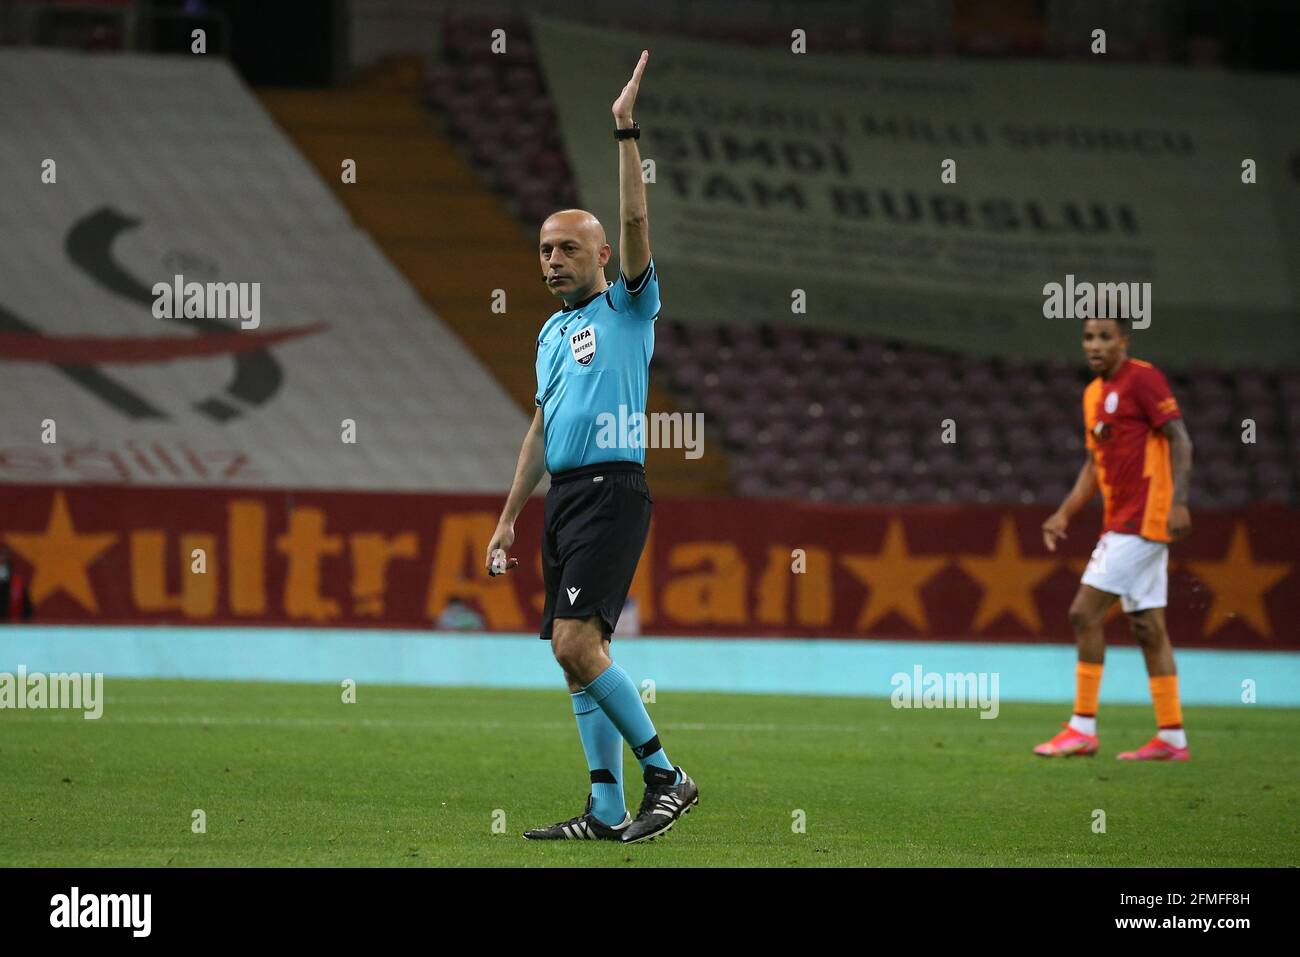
76 691
212 300
658 430
930 689
1102 300
75 909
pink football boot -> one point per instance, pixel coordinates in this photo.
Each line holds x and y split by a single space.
1156 749
1068 744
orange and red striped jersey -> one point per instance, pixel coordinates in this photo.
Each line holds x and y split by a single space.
1122 417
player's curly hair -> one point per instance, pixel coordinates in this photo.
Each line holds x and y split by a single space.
1118 318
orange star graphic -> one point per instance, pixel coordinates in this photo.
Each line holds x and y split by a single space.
894 579
1239 583
1008 579
60 556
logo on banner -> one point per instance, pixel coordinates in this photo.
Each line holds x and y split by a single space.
256 375
583 344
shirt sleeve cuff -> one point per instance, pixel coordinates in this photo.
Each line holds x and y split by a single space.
634 286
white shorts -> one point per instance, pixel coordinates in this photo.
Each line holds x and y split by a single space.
1132 567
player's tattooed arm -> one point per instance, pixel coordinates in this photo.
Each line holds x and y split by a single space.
1085 487
1180 459
634 226
1180 455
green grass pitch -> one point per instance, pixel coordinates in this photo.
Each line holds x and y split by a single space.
290 775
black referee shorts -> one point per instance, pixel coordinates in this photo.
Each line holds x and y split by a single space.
597 520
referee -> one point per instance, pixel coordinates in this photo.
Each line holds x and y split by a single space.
593 356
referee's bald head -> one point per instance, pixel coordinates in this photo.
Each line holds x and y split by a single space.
574 252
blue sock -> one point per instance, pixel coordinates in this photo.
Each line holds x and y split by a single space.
603 746
614 691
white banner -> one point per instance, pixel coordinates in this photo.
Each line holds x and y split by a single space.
934 199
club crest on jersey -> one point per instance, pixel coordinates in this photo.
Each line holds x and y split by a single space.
1112 402
583 344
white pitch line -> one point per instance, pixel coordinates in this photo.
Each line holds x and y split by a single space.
224 721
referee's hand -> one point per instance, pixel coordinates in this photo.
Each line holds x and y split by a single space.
497 562
622 108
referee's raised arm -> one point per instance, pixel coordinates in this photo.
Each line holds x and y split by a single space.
633 225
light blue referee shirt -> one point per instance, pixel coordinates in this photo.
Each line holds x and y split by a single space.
593 374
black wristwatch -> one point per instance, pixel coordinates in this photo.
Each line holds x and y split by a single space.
633 132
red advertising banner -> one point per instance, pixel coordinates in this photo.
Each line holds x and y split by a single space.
117 555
